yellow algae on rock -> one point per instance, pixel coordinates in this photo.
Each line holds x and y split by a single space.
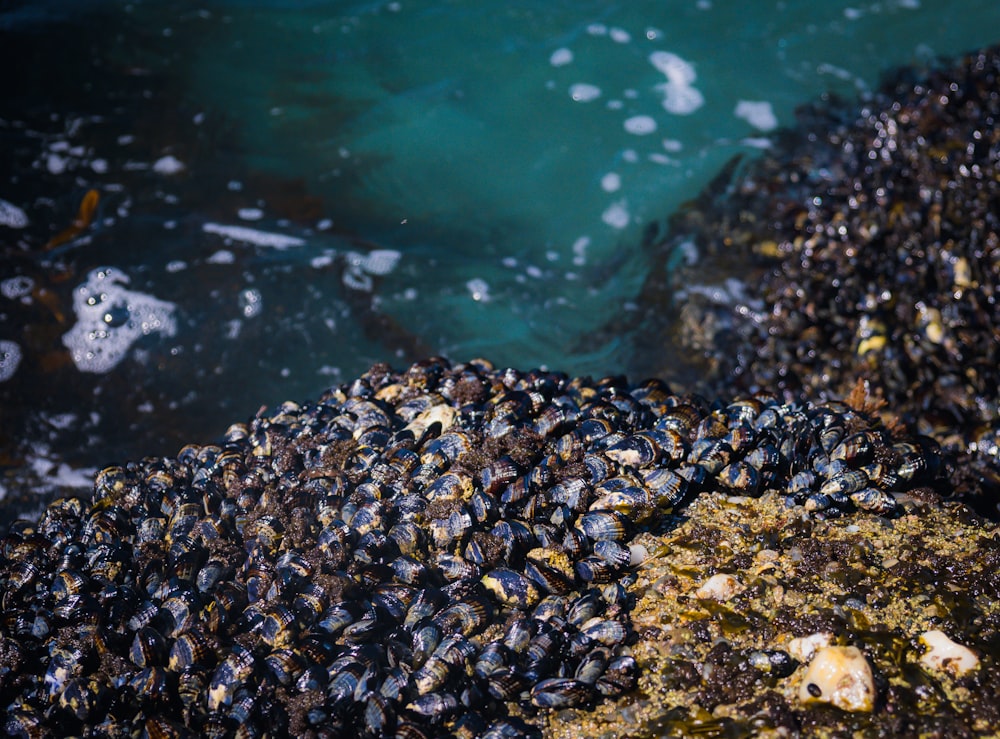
840 676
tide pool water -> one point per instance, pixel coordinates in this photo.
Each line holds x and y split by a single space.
291 191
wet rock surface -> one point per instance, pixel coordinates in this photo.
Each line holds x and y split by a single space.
446 550
870 243
871 584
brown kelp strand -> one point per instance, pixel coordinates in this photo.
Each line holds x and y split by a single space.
442 551
870 233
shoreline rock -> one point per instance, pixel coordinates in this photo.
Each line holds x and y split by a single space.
868 246
450 549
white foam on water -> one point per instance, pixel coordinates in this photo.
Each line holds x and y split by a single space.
168 165
597 29
616 215
61 421
479 289
100 166
16 287
55 164
580 250
640 125
757 142
611 182
758 113
582 92
321 261
61 475
380 261
619 35
12 216
673 67
355 279
672 145
658 158
233 329
177 265
223 256
679 97
561 57
361 267
10 358
250 214
253 236
111 318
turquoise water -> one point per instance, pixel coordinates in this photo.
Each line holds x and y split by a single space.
290 191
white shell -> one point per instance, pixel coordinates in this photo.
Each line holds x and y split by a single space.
802 648
945 655
840 676
719 587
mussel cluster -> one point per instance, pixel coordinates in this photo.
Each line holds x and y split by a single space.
872 231
442 551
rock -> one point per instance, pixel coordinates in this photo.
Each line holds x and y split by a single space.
720 587
840 676
803 648
946 656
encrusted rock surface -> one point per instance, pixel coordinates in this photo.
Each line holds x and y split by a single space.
876 584
867 244
456 549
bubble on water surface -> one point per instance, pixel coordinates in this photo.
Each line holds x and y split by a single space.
16 287
611 182
582 92
479 289
679 97
223 256
620 35
251 302
758 114
168 165
640 125
250 214
616 215
561 57
10 358
12 216
111 318
377 261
